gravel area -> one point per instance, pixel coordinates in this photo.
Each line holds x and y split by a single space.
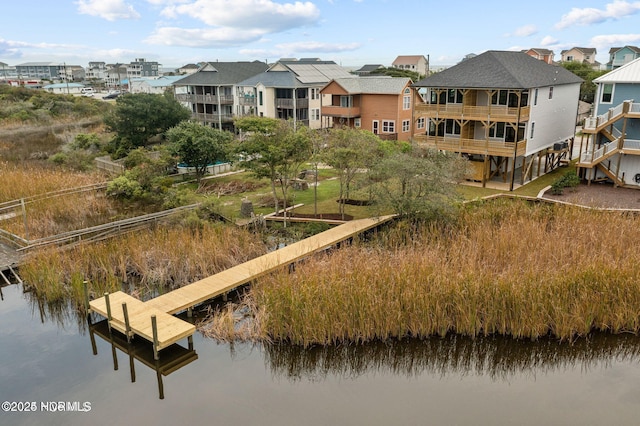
600 195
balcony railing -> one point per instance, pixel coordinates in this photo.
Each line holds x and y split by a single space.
626 108
247 100
288 103
205 99
473 146
213 117
338 111
471 112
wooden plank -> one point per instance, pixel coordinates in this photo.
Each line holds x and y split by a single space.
207 288
170 328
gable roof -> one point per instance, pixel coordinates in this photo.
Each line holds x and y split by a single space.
272 79
369 67
373 85
500 70
584 50
627 73
540 51
632 48
412 59
222 73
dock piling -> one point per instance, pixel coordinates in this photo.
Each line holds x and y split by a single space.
126 321
154 327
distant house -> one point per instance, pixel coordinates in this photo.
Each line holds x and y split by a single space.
585 55
505 111
618 56
213 95
142 68
415 63
290 89
96 71
40 70
367 69
157 85
116 76
610 145
544 55
64 88
382 105
188 69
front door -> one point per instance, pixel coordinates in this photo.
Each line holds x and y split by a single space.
374 128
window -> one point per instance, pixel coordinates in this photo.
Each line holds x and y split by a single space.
315 113
388 126
357 123
454 96
551 92
535 97
406 102
420 123
260 98
405 125
452 127
346 101
607 93
570 58
533 126
497 131
500 97
315 93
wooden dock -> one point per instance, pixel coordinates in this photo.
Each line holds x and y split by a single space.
165 329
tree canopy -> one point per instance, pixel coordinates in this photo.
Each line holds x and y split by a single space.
198 145
274 150
588 74
138 117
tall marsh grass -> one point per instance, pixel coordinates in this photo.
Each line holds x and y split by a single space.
506 267
150 261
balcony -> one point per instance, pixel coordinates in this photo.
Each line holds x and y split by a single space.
341 112
247 100
288 103
205 99
473 146
213 117
475 113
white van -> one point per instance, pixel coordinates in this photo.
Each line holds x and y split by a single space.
87 91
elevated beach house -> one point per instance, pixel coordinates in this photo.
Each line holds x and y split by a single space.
513 116
610 142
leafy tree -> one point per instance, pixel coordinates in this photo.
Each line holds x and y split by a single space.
138 117
198 145
397 72
275 153
418 183
350 151
585 72
250 124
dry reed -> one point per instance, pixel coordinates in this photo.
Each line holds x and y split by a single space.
507 268
149 261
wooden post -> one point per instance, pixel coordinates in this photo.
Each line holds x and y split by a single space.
106 300
189 312
190 341
126 321
154 327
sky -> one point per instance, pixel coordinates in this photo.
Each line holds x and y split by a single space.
350 32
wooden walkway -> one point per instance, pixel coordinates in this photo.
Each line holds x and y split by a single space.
169 329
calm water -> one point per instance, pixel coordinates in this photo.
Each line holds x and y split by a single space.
48 358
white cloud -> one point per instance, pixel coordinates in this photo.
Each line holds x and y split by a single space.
202 37
604 42
110 10
298 48
524 31
589 15
548 41
264 15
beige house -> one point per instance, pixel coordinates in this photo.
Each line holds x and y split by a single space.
415 63
581 54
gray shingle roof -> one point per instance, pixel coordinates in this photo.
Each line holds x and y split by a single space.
272 79
223 73
373 85
496 69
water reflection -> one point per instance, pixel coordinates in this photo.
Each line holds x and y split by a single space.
171 359
496 357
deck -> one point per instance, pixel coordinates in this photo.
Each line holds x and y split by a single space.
169 329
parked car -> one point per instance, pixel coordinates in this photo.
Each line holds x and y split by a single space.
111 95
87 91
